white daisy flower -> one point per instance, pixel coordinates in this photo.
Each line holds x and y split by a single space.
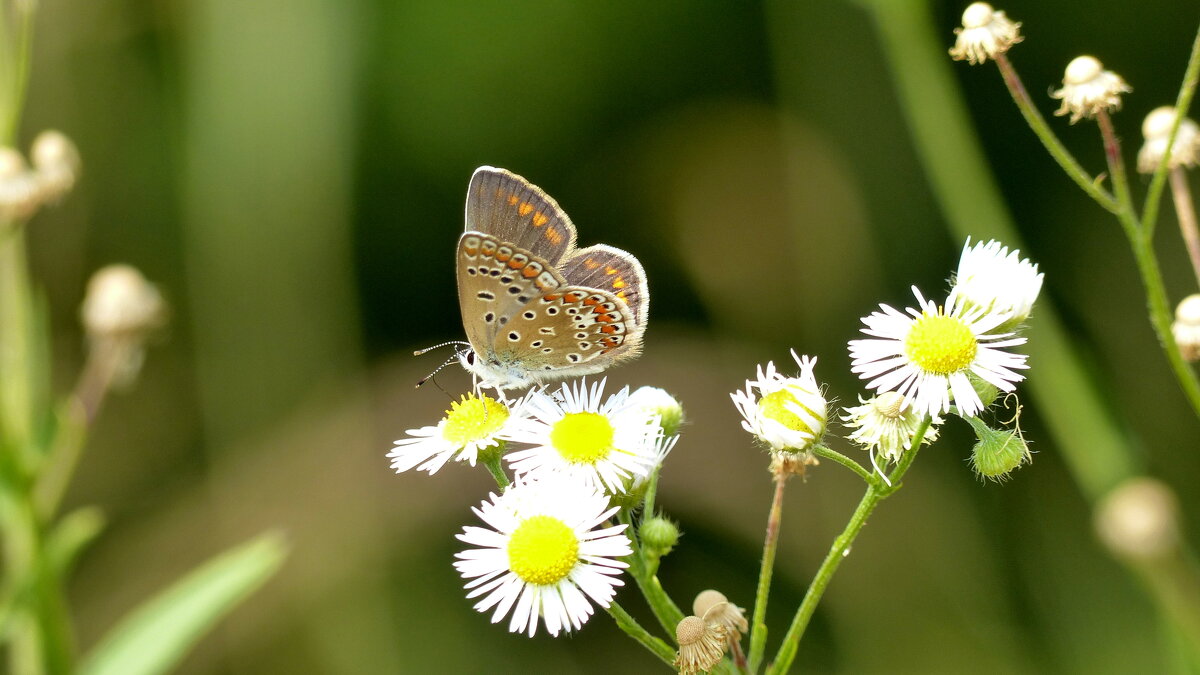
991 278
787 413
1088 88
883 425
927 355
543 556
985 33
472 423
577 433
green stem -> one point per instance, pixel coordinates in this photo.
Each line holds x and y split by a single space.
876 492
1049 139
661 604
1182 102
634 630
828 453
1116 168
491 459
758 625
1160 318
16 385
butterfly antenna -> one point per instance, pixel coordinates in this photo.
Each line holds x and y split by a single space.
444 344
437 370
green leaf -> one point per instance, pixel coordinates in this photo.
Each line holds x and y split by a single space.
154 637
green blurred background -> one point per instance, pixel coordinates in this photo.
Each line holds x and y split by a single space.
292 173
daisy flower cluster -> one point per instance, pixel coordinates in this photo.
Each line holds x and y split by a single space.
936 358
550 548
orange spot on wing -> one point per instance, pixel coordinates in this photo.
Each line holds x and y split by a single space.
610 270
608 329
592 301
502 257
554 235
619 282
553 297
590 264
621 295
515 264
539 220
524 208
572 297
512 199
530 272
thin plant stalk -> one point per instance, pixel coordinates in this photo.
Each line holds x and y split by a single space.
1185 211
876 492
1049 139
664 608
634 630
758 627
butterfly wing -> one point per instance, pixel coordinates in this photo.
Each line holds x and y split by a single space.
513 210
571 331
613 270
495 280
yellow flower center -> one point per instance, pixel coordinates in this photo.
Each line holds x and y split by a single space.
542 550
777 406
473 419
582 438
940 344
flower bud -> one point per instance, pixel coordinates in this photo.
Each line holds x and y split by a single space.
998 451
56 163
1139 519
658 535
659 402
1186 328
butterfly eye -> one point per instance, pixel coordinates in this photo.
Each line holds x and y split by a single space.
470 358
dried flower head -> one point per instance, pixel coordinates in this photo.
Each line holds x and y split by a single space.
121 303
1157 130
883 424
18 190
1186 328
701 645
1088 89
714 607
1139 519
56 163
985 33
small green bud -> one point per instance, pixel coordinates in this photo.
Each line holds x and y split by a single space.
998 452
659 535
658 401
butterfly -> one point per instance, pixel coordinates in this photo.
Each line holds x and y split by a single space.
534 307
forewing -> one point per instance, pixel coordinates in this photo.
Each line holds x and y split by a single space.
508 207
573 330
495 281
612 270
